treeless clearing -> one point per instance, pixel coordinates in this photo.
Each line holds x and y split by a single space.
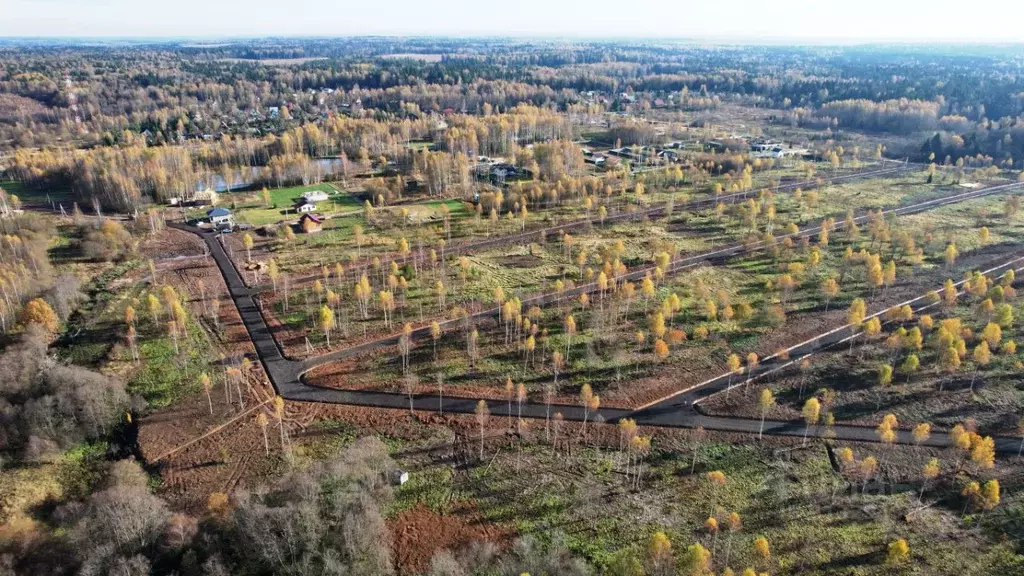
419 533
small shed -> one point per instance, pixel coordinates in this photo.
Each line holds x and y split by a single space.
310 223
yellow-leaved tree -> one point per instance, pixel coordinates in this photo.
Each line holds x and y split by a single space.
660 561
39 312
765 403
326 321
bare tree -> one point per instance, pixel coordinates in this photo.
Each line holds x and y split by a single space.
410 382
483 413
261 421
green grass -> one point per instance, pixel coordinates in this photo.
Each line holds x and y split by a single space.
455 206
743 279
329 437
39 196
87 337
432 487
250 208
165 377
283 201
81 468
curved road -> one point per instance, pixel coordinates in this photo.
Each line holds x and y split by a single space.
678 410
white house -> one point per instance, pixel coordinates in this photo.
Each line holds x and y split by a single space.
305 207
314 196
220 216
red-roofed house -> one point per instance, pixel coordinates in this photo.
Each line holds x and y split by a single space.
310 223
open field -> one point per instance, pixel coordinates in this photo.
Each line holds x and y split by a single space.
535 266
413 56
528 270
420 222
43 198
607 359
271 61
251 208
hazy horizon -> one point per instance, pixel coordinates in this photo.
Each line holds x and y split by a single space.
215 40
745 22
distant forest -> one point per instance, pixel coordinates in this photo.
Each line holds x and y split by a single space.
81 115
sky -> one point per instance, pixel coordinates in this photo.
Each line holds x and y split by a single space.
743 21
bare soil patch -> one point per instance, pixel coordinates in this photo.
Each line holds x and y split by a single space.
417 534
223 460
172 243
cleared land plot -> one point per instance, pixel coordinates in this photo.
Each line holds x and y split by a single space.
605 354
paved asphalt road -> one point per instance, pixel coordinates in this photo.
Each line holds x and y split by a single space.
679 410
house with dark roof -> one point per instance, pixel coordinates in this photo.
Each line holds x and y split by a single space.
668 155
220 217
305 207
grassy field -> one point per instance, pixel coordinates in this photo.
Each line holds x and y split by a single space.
422 222
39 197
604 353
516 270
689 231
167 375
94 337
988 394
252 210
